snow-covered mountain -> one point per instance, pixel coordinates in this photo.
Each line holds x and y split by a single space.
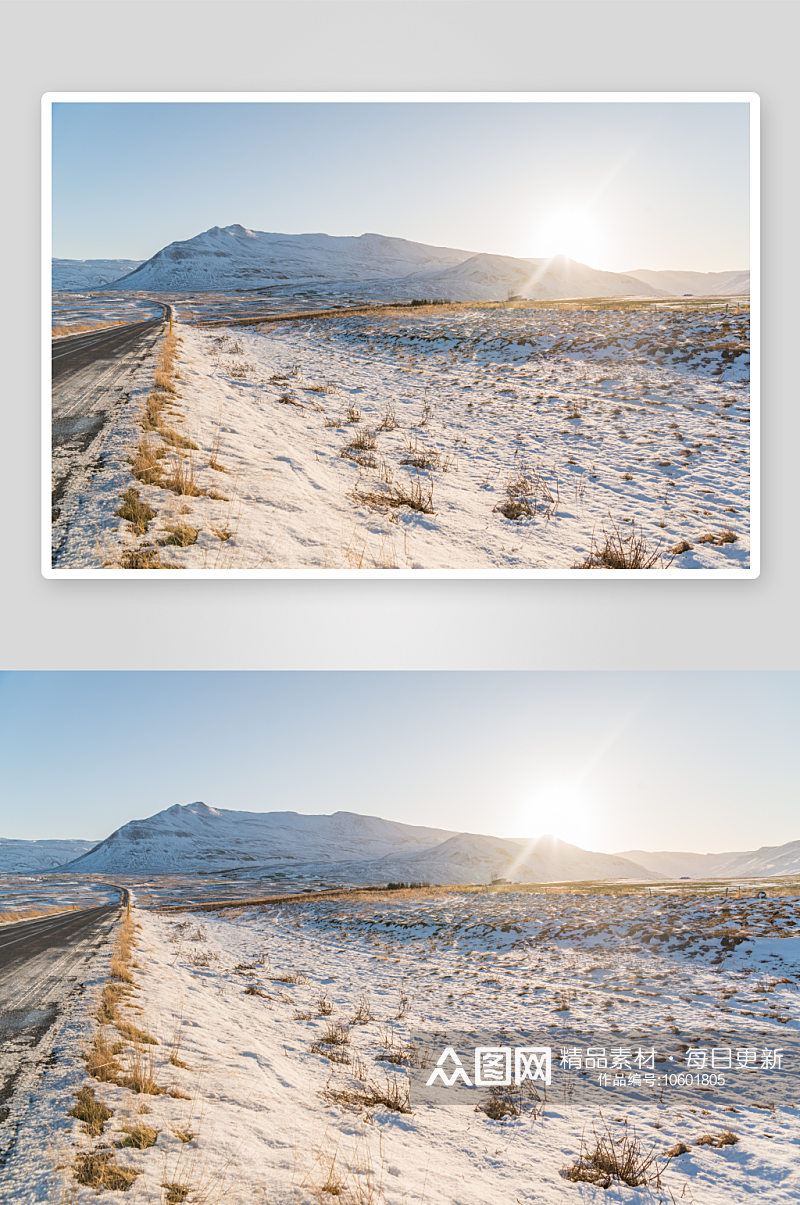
71 274
376 267
231 257
498 277
22 857
769 860
195 837
342 847
698 284
471 858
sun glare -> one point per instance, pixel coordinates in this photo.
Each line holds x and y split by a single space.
573 232
562 809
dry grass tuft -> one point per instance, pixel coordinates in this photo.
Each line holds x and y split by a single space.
726 1138
91 1111
137 512
513 1101
180 534
622 551
175 1193
134 1034
138 1074
724 537
529 492
616 1155
138 1136
392 1094
141 558
146 463
99 1170
180 478
363 1014
413 494
101 1059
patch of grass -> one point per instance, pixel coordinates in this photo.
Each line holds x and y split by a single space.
164 381
363 1014
137 512
99 1170
180 534
134 1034
392 1094
388 419
413 494
180 478
175 1193
138 1136
91 1111
622 551
512 1101
726 1138
139 1072
529 492
175 440
119 970
253 990
146 463
141 558
101 1059
615 1155
723 537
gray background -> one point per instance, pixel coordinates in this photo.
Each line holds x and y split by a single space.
396 46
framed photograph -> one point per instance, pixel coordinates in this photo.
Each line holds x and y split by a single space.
556 947
442 335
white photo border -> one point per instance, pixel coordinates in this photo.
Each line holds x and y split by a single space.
752 99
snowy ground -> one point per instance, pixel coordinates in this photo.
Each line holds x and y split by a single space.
523 438
260 1115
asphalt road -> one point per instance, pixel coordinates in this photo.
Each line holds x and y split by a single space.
93 377
76 352
43 967
24 939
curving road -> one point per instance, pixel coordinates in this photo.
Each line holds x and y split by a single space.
93 377
43 966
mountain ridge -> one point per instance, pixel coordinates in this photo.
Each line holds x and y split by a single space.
383 267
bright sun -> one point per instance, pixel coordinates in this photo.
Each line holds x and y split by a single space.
563 809
573 232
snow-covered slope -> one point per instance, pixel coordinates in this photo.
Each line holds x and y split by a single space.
232 257
20 857
769 860
196 837
471 858
498 277
699 284
89 273
344 846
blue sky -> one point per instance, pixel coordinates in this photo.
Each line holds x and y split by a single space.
619 186
611 761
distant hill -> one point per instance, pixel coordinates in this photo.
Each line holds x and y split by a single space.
195 837
378 267
342 847
22 857
769 860
69 274
699 284
231 257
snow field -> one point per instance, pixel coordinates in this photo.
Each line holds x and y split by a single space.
520 440
251 991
